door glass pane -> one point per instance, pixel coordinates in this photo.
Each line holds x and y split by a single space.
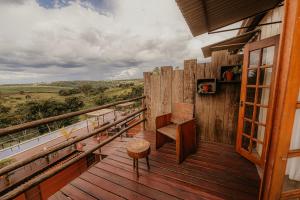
254 58
265 76
295 140
250 95
268 55
246 143
252 75
256 149
259 132
263 96
247 127
248 111
261 114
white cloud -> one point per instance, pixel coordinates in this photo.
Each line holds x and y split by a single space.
77 42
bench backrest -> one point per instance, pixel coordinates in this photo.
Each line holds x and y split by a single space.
182 112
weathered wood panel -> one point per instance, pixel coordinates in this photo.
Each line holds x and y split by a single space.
155 99
147 93
177 86
56 182
273 29
216 115
189 81
166 89
200 108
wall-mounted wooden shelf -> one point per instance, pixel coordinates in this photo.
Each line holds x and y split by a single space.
233 81
207 86
223 69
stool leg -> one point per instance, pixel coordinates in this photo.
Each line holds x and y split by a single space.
137 167
133 163
148 165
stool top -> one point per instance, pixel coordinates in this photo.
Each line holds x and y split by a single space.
138 146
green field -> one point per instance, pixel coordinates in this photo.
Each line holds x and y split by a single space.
12 95
33 88
16 101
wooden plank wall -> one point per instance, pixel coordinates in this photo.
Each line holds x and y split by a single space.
216 115
274 29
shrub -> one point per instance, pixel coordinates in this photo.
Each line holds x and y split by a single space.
68 92
101 100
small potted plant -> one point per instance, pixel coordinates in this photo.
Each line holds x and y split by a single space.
205 88
228 75
237 71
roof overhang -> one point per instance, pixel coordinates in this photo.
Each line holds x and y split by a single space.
232 44
208 15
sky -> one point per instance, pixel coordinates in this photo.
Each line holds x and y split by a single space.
55 40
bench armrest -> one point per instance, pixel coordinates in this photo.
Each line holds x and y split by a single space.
186 135
163 120
186 122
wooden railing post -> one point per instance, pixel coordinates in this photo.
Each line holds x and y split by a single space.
143 115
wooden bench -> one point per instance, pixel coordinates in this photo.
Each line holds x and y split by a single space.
180 125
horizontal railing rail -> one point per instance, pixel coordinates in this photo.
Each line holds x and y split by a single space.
16 128
14 166
48 174
25 161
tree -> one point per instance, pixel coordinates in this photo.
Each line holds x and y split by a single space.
137 91
68 92
101 89
74 103
4 109
34 110
101 100
86 89
156 70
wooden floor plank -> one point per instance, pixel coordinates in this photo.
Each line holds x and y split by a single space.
209 184
74 193
167 191
59 196
115 188
214 178
214 172
174 183
96 192
131 183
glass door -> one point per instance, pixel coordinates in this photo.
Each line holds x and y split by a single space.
256 102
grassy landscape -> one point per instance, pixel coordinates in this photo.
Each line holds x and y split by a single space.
28 102
12 95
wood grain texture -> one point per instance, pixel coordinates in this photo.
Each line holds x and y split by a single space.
155 99
207 174
189 81
200 114
147 93
217 114
177 86
179 126
166 89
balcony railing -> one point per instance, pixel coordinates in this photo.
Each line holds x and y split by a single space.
50 173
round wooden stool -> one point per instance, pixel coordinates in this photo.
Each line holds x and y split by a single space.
138 148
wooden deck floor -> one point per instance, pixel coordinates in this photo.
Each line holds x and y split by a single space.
214 172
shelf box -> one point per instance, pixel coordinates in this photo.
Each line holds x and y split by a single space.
236 77
206 86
